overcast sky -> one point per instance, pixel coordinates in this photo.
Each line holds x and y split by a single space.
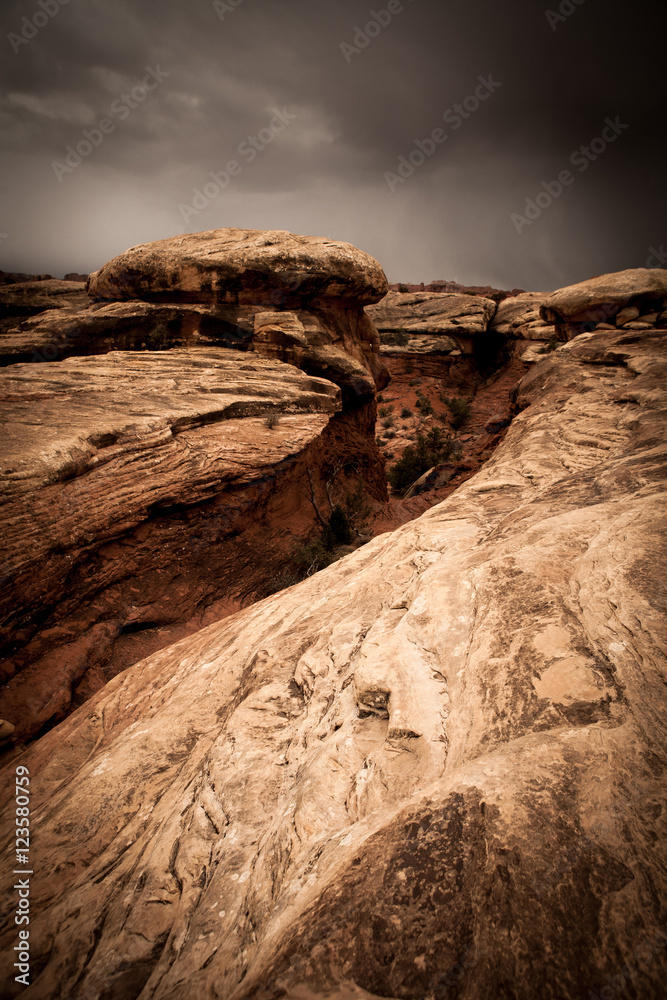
114 114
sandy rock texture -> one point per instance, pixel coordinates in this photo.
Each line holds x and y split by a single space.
435 769
242 266
97 328
29 297
135 487
519 316
441 316
582 307
296 298
144 553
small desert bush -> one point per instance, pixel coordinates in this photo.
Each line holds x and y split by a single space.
425 406
459 409
428 450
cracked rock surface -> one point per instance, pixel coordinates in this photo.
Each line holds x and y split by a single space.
436 768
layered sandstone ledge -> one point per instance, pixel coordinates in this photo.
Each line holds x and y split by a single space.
297 298
143 486
435 768
137 488
447 323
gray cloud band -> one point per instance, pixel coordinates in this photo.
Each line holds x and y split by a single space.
249 149
93 137
580 158
454 116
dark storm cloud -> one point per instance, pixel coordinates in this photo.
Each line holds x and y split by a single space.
352 115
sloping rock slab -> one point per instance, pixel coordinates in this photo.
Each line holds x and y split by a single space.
100 449
242 266
30 297
432 313
580 307
121 326
436 768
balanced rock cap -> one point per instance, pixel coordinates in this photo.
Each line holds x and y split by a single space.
243 266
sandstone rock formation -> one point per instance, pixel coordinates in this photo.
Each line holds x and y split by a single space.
97 328
434 769
136 487
243 267
303 296
459 317
519 317
140 523
12 277
603 300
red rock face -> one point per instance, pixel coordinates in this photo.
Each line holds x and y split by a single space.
151 509
146 492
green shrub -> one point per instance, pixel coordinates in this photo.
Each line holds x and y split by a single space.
357 506
403 288
425 406
395 337
429 450
272 420
385 411
459 409
338 530
406 412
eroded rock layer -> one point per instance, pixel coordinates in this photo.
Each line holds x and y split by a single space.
434 769
139 487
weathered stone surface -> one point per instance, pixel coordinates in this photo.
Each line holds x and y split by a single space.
420 344
338 344
459 316
98 328
30 297
96 453
242 266
519 316
436 768
580 307
235 288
